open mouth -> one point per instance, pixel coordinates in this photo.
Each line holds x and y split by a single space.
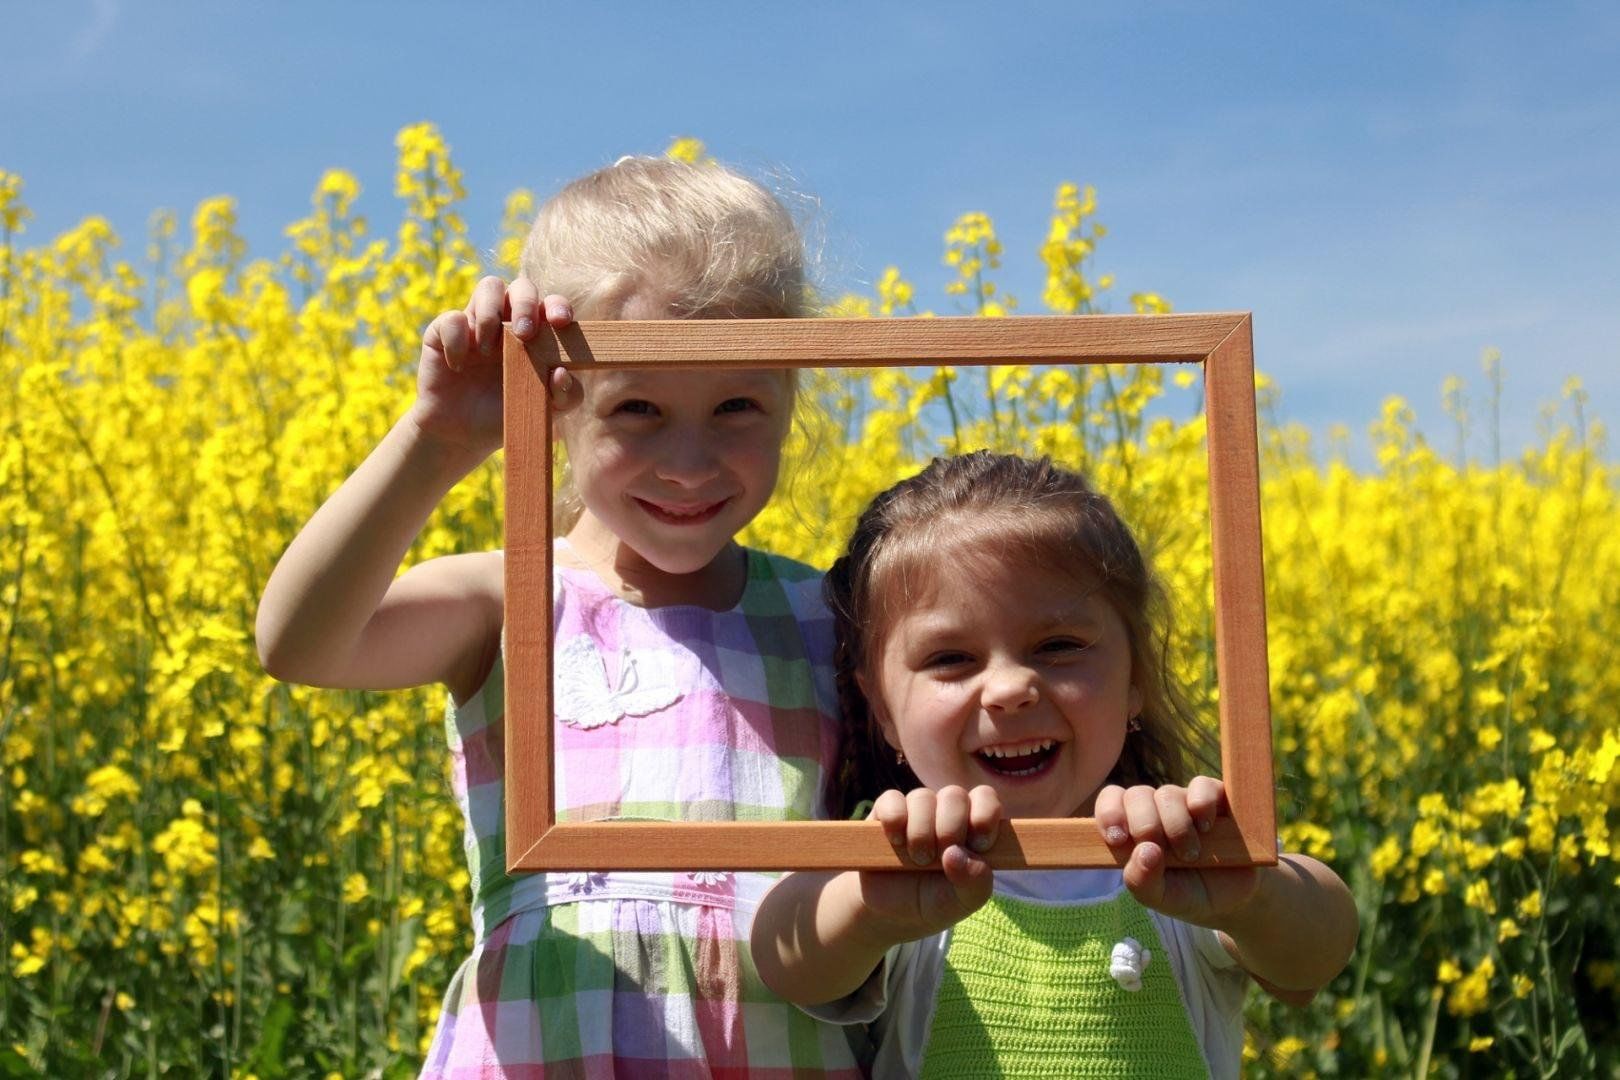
1018 759
683 515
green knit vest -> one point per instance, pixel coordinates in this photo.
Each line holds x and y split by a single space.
1026 991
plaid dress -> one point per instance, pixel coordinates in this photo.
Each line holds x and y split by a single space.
676 713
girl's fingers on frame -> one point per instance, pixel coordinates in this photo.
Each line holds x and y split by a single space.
523 307
1142 815
558 311
950 817
890 812
1109 813
1206 801
1180 832
488 304
984 817
920 826
448 336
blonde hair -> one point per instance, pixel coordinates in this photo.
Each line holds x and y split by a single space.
1023 511
704 241
699 241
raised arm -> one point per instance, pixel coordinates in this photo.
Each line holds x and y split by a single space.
332 613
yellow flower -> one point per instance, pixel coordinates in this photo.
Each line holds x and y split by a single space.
687 149
1470 995
1310 838
13 213
355 888
1285 1050
41 862
1478 895
341 187
187 846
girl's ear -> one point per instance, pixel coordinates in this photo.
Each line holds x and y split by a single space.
567 393
874 705
1134 703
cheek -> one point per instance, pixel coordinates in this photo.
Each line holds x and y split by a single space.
760 454
594 450
928 712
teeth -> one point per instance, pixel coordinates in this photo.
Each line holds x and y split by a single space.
1017 750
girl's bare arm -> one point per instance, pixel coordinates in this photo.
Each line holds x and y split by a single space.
814 940
1297 931
333 613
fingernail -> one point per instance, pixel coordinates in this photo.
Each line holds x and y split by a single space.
898 840
1189 851
1205 826
1115 835
982 843
523 327
922 858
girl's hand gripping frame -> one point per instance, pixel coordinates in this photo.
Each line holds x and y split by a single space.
1223 343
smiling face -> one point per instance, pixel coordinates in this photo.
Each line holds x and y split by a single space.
672 464
1011 676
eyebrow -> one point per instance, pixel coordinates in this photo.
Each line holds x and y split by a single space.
621 381
1077 617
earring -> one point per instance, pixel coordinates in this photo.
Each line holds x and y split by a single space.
1133 725
899 757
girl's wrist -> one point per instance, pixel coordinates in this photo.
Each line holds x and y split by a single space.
1256 912
875 929
433 457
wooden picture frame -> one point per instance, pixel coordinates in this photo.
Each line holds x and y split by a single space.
1222 343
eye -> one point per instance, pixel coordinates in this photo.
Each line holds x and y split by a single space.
635 407
946 659
1062 646
738 405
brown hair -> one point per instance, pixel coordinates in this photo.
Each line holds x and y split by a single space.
1029 512
697 239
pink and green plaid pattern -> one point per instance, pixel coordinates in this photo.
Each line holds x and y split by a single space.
590 974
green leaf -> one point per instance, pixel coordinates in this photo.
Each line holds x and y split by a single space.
13 1064
266 1059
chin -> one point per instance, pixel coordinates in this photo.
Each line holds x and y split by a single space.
681 564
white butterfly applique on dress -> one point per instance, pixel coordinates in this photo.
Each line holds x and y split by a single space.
584 699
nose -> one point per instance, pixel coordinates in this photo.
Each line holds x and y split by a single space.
1010 685
686 460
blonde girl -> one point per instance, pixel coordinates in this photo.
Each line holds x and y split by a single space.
1001 653
727 650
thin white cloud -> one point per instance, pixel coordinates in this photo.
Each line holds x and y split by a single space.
103 14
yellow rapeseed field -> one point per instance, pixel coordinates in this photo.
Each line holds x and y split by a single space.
204 871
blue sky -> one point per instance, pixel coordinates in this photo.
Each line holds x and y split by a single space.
1391 188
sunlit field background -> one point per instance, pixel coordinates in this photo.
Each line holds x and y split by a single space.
209 872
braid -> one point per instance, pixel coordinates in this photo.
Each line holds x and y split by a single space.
865 764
